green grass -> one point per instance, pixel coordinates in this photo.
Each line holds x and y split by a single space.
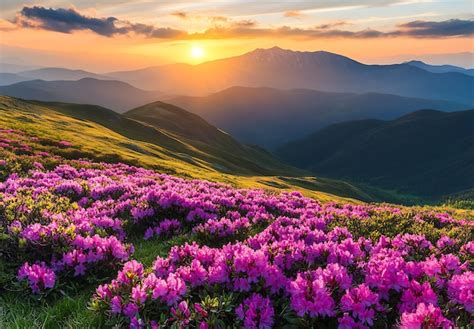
163 151
18 310
66 312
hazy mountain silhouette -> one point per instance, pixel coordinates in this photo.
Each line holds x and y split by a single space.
115 95
286 69
427 152
11 78
271 117
440 68
56 73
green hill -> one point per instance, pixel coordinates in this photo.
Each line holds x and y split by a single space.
201 135
426 153
162 145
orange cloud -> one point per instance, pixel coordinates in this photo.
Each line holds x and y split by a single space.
293 13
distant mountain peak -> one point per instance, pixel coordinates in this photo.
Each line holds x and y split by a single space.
279 55
414 62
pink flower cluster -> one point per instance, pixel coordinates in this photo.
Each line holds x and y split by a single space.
166 228
257 259
324 272
39 276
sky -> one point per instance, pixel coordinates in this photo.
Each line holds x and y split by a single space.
118 35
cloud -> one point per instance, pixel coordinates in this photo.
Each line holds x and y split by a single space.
416 29
6 26
449 28
213 19
180 14
293 14
70 20
331 25
281 32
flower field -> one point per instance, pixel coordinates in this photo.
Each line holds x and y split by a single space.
251 259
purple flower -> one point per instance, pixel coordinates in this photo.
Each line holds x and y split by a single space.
362 303
425 316
39 276
182 313
138 295
415 294
116 304
310 295
461 290
256 312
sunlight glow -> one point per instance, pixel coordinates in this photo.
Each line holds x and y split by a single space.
197 52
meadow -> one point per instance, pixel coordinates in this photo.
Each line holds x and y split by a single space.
86 243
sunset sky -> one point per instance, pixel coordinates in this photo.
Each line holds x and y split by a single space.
118 34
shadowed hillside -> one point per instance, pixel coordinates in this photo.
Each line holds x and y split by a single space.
427 152
272 117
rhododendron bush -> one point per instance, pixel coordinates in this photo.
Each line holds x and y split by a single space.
253 259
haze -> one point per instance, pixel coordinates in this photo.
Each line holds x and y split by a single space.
118 35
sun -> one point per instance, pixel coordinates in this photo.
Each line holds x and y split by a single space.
197 52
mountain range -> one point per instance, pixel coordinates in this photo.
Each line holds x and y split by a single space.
324 113
47 74
286 69
429 153
270 117
116 95
440 68
55 73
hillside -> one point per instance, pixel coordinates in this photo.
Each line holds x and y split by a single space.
440 68
286 69
427 153
112 94
271 117
108 136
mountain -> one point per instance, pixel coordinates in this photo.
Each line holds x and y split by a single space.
202 142
440 68
271 117
286 69
183 123
10 78
47 74
56 73
152 137
428 153
116 95
15 68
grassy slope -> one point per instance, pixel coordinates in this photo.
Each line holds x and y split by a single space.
159 150
71 310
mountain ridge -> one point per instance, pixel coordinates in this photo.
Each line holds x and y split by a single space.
59 73
114 94
270 117
286 69
440 68
427 152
